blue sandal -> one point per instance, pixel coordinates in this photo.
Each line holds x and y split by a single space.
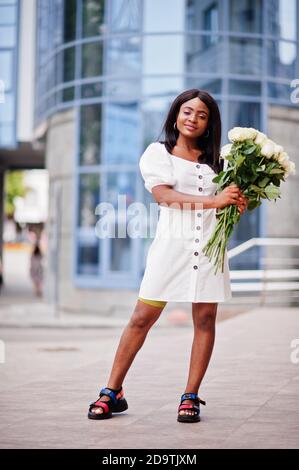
185 418
116 404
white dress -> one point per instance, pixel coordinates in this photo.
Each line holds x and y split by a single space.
176 268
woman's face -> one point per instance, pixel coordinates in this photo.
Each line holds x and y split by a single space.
193 118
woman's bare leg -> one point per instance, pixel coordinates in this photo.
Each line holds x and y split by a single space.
133 337
204 318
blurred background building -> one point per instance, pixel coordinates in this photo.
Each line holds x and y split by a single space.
105 75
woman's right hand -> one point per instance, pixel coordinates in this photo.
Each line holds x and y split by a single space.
229 195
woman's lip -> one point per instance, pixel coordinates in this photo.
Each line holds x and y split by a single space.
190 127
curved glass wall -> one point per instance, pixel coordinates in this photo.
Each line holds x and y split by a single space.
120 63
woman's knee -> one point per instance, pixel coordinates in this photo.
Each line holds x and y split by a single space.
205 317
144 315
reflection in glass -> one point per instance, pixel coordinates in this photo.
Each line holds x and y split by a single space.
211 24
7 111
7 14
162 86
121 258
92 90
282 18
281 57
244 114
93 17
128 89
88 199
69 64
246 16
123 56
242 87
6 64
121 183
7 36
199 57
68 94
7 134
125 15
245 56
121 133
88 258
190 15
278 90
212 86
92 59
70 9
51 74
90 134
154 111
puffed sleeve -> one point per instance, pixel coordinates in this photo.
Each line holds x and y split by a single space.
156 167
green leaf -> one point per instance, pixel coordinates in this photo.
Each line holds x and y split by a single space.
217 179
272 192
276 170
240 159
249 150
260 168
264 182
255 188
253 203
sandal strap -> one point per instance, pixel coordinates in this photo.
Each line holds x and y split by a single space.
192 396
109 393
188 396
100 404
189 407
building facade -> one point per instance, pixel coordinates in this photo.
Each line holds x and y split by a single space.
17 47
106 73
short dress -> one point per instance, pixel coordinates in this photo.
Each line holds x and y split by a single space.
176 268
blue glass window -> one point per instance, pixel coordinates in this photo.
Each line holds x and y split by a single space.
90 134
246 16
211 24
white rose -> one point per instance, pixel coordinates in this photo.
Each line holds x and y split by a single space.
268 148
278 149
290 168
225 150
260 138
239 134
283 158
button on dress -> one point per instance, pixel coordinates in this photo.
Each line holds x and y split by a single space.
176 269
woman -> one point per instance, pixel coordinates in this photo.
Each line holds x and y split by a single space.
178 172
36 269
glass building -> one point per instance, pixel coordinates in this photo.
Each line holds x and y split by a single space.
9 17
116 66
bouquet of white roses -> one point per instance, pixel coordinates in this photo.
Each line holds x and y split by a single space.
257 165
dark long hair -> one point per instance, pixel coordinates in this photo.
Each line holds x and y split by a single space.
210 146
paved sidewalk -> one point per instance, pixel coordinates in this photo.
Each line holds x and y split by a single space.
251 387
26 313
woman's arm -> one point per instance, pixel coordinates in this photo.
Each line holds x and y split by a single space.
167 196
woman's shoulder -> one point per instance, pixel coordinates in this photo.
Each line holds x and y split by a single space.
156 145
